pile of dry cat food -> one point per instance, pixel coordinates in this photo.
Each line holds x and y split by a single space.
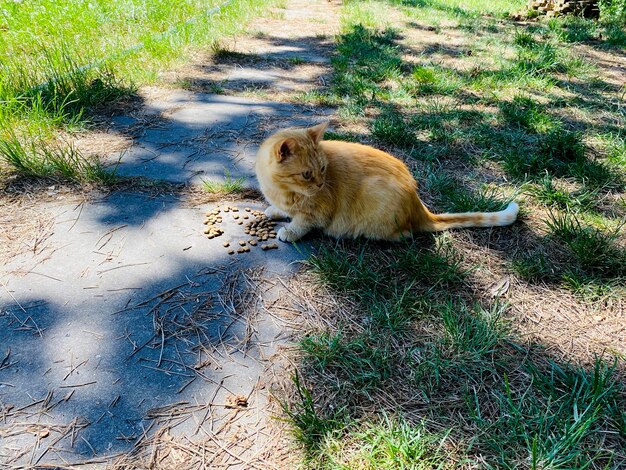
257 225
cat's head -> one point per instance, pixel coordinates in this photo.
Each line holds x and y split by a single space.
295 160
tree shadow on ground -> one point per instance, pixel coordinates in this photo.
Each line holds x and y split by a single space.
131 323
410 334
129 327
411 337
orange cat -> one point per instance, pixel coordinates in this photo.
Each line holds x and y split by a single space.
349 190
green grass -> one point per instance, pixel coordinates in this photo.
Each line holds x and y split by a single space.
228 186
527 114
308 426
549 194
427 368
47 83
36 157
596 251
562 152
389 442
357 362
533 267
391 128
503 405
556 418
360 270
451 196
468 337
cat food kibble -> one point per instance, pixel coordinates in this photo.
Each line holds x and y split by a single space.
254 222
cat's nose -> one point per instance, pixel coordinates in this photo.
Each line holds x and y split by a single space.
319 185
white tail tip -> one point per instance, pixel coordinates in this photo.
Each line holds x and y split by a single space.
508 215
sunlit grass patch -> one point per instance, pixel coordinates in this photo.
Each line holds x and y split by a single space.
227 186
430 79
548 59
64 60
552 195
388 442
34 156
524 38
615 148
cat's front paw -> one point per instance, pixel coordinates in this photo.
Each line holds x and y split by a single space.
285 235
275 214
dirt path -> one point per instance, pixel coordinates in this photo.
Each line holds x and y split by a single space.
127 337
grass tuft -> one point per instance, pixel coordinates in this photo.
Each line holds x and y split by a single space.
308 427
36 157
533 267
547 193
353 361
391 128
451 196
596 251
389 442
230 185
527 114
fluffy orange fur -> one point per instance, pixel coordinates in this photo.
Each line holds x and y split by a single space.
348 190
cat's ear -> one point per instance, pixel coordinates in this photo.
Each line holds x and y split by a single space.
317 132
285 149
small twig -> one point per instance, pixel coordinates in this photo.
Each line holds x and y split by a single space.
78 385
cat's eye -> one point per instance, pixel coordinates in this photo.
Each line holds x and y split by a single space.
307 175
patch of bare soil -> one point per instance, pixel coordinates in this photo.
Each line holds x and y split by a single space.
610 62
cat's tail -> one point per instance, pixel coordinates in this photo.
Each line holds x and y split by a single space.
437 222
